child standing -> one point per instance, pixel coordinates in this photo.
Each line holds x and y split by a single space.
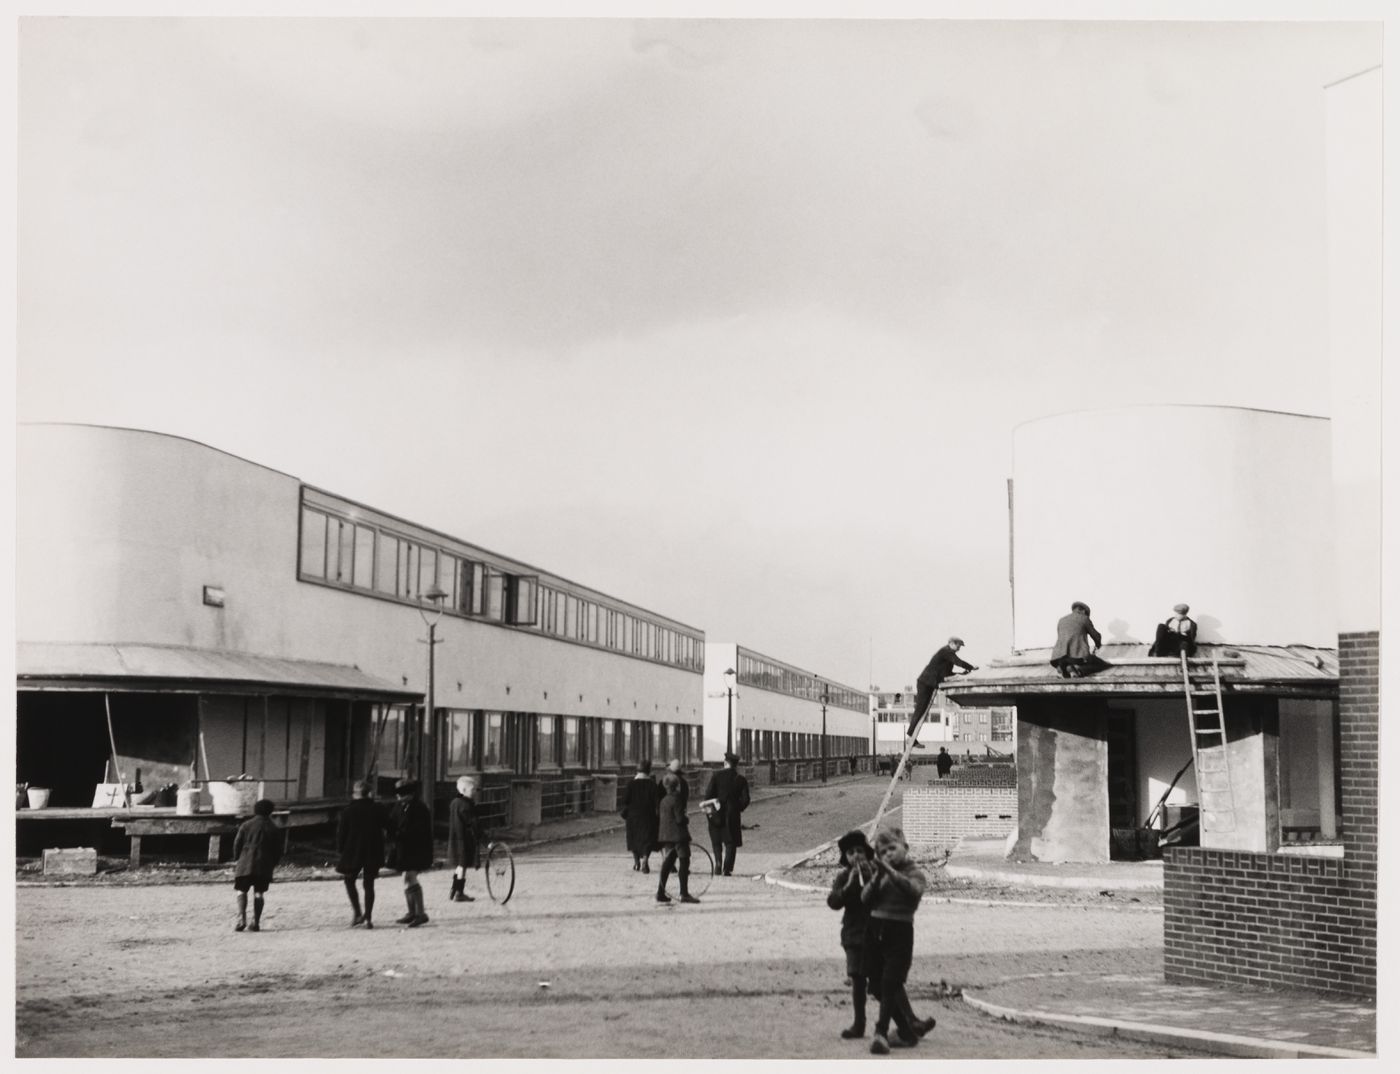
892 897
845 895
257 848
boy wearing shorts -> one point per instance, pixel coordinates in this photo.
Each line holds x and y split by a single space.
857 869
257 849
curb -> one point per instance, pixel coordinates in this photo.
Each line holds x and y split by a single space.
1216 1043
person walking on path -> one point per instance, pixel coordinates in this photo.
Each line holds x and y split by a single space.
257 849
673 834
1072 656
943 762
728 790
411 833
463 831
359 837
939 668
857 869
639 804
892 896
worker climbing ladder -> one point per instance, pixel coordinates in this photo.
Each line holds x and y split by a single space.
1205 716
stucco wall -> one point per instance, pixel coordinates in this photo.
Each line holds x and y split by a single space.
1226 509
1062 781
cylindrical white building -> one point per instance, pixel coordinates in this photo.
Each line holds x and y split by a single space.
1133 510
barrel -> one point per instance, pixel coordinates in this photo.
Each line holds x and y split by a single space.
186 801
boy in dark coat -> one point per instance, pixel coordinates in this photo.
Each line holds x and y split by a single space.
673 833
257 848
639 802
730 790
857 868
411 829
360 839
892 897
462 833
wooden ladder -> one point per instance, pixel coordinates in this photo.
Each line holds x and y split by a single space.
1209 746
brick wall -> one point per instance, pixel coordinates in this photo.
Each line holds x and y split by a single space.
1279 920
942 813
981 775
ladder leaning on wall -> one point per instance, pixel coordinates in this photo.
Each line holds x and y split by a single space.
1209 746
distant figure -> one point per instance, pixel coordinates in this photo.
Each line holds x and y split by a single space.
639 802
1177 635
730 790
411 829
360 839
1072 656
943 761
857 868
463 834
939 668
853 764
673 833
258 848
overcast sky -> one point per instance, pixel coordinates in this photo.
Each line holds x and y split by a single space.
731 319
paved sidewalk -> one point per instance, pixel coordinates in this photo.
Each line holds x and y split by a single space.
1221 1021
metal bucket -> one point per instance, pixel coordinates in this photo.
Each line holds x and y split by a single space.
186 801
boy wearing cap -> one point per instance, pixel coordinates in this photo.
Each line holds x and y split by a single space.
857 869
939 668
892 896
257 848
411 828
1177 635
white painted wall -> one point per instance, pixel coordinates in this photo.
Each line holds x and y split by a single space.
119 530
1354 341
1135 509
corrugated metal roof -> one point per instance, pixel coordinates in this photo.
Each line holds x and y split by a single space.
60 662
1248 668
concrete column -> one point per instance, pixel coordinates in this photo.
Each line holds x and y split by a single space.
1062 780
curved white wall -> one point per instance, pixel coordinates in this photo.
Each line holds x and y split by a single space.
1135 509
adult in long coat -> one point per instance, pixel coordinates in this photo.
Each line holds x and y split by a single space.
360 839
673 833
639 801
730 790
1072 654
411 832
463 832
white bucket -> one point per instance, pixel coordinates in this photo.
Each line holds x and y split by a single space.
236 797
38 797
186 801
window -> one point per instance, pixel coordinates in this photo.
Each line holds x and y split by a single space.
628 751
386 569
656 752
313 543
364 557
461 740
495 596
607 743
547 736
494 740
521 599
572 741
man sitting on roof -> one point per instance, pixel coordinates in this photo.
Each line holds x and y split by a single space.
1176 636
1072 656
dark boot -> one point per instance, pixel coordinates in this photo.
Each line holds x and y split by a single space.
661 895
359 918
457 883
242 922
420 915
256 926
684 874
646 864
412 912
858 1002
369 904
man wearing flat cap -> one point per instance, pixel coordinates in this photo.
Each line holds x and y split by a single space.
729 791
1177 635
410 828
939 668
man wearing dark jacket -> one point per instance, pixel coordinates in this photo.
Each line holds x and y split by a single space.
360 839
730 790
411 829
939 668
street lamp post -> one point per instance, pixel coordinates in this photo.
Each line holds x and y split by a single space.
729 678
825 697
427 771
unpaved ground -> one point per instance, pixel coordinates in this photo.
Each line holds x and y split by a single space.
581 963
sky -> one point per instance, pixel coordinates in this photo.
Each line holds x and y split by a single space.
732 319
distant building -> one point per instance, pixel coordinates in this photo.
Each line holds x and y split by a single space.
946 723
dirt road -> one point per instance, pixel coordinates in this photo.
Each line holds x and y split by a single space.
582 963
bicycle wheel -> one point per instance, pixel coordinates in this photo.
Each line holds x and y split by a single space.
702 870
500 873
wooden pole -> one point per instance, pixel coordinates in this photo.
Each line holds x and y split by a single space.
112 741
